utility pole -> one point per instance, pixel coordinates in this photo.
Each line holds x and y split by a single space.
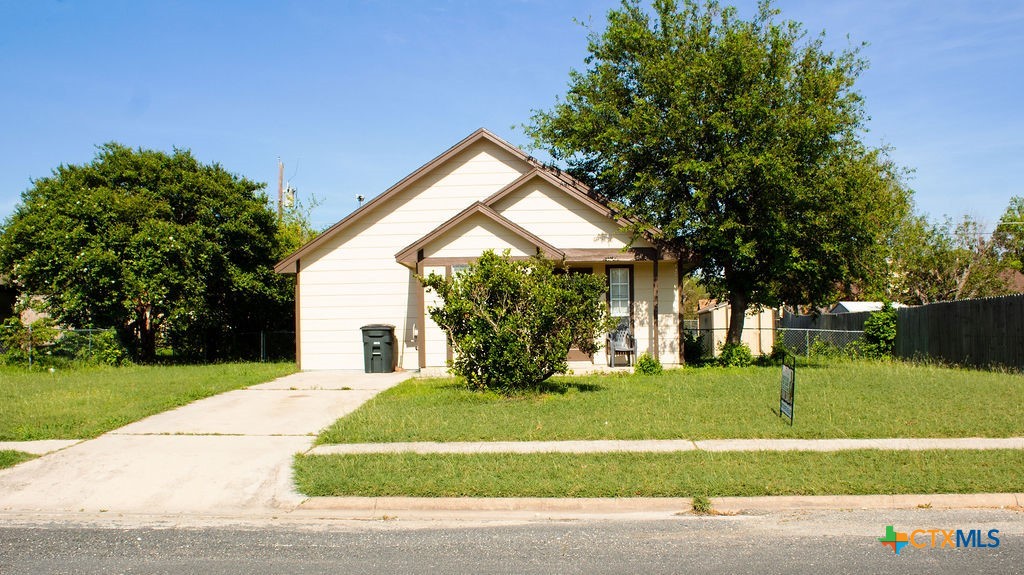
280 189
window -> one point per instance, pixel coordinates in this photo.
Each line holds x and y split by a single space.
459 268
618 292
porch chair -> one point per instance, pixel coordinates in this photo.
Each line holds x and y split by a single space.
621 341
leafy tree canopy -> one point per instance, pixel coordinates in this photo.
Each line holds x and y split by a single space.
511 322
295 228
740 141
880 333
1009 234
944 261
150 243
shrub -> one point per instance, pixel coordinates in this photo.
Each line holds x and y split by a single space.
18 340
647 364
779 353
735 355
51 346
106 349
693 346
880 333
511 322
68 347
823 348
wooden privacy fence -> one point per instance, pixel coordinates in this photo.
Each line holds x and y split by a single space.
979 332
826 321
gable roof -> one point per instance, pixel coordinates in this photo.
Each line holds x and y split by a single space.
859 306
557 177
563 184
408 255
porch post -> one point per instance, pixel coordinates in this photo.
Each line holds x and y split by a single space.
657 349
298 317
421 349
680 317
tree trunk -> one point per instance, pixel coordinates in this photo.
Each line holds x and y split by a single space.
145 331
737 315
147 344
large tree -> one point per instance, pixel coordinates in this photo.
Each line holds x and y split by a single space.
150 243
1009 234
740 140
945 261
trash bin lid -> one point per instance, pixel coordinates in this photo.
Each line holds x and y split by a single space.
376 326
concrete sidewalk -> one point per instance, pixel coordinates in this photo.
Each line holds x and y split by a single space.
668 445
227 454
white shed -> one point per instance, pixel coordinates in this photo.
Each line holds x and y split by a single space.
758 328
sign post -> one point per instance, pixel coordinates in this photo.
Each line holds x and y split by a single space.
788 387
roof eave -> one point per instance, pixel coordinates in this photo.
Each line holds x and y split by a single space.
285 265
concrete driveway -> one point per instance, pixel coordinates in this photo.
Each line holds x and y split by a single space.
230 454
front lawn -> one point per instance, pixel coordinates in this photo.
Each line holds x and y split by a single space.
83 403
681 474
848 399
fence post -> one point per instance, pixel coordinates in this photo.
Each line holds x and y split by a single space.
263 346
807 345
30 346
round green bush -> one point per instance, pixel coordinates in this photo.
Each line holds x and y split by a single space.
647 364
735 355
880 333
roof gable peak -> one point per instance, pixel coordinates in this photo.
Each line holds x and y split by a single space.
288 264
408 255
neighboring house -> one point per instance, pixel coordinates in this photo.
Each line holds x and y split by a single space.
1014 280
859 306
483 193
758 328
9 301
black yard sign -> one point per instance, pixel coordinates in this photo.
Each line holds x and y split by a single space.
788 387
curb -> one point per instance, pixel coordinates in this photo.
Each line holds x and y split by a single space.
899 501
317 512
567 508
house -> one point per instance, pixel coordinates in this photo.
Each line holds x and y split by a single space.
859 306
758 328
483 193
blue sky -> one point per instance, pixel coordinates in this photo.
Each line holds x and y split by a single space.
354 95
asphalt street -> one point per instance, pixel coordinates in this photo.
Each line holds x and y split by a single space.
775 543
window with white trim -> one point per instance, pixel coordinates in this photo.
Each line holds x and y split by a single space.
618 292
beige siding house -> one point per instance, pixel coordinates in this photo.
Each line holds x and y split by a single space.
483 193
758 328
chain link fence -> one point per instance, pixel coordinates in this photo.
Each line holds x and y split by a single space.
266 345
41 345
48 346
807 343
820 342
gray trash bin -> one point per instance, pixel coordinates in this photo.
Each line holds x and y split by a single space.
379 348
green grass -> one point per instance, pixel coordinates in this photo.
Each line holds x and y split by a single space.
683 474
10 458
848 399
83 403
